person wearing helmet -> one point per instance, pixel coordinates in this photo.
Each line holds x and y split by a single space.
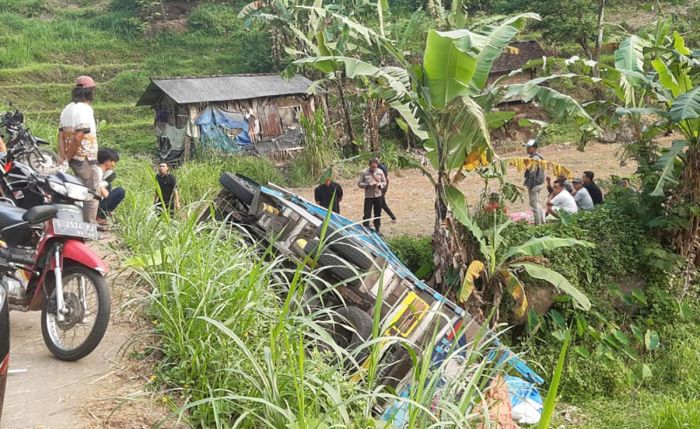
534 181
77 140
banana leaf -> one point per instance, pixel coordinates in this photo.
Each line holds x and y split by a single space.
449 63
473 272
537 246
552 277
686 107
630 54
496 120
667 167
496 40
556 104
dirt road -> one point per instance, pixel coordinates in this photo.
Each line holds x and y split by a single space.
105 389
412 198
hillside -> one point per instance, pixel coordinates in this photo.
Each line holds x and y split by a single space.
42 50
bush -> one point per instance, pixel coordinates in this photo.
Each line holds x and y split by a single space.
214 19
416 253
27 8
119 23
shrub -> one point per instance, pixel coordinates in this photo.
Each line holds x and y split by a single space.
416 253
214 19
119 23
234 351
27 8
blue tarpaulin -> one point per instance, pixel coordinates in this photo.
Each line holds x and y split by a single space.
214 125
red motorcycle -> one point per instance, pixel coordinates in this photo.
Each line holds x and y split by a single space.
52 269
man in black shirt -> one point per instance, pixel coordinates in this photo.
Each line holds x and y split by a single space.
324 193
592 188
166 194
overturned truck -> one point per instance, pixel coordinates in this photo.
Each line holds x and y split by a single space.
359 273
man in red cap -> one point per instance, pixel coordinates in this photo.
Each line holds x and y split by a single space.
77 140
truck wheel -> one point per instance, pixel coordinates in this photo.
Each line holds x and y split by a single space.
351 328
348 250
333 264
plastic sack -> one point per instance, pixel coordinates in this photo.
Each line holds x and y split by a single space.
525 400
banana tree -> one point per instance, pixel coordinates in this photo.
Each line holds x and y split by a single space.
299 31
499 270
668 73
447 104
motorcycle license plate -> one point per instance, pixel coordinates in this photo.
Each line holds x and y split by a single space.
73 228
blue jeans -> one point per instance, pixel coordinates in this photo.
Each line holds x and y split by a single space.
109 204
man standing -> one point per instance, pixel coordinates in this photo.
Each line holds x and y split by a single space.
534 181
77 140
107 160
372 180
581 195
167 195
560 200
385 207
327 191
592 188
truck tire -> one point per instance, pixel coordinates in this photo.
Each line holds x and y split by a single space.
351 328
348 250
333 264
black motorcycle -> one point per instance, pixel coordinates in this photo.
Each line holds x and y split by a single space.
24 147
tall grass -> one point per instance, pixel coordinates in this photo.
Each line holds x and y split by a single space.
237 352
320 151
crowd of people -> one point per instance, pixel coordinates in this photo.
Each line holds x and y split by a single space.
579 194
374 181
78 150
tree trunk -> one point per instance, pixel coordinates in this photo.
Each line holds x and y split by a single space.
584 45
349 135
434 9
599 39
277 45
454 249
687 241
370 119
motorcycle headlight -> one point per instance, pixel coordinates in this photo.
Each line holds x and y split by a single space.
77 192
58 187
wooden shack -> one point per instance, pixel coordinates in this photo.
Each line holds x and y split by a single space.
514 57
260 110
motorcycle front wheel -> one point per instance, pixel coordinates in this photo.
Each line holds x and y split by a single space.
43 161
87 299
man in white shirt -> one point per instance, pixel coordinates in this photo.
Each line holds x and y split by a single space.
581 195
560 199
77 140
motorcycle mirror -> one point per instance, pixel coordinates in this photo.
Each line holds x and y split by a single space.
38 214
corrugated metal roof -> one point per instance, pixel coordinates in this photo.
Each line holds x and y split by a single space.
222 88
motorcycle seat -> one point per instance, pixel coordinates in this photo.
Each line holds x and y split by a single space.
10 215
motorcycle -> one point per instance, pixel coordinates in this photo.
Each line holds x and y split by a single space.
53 270
24 147
4 344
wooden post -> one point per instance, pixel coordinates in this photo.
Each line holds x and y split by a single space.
188 139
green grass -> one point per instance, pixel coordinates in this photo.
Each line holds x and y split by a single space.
232 345
44 47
